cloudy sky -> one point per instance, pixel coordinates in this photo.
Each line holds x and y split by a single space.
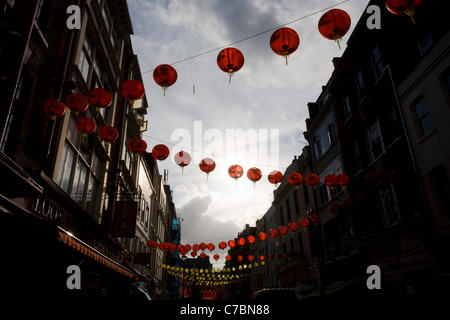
266 100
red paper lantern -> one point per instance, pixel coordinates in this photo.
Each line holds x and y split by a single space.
342 179
182 159
165 76
160 152
275 177
403 7
228 258
202 246
283 230
235 171
137 147
230 60
261 258
262 236
240 258
254 174
132 90
232 243
100 98
85 126
216 257
194 254
207 165
329 180
334 24
304 222
241 241
273 233
293 226
77 102
251 239
271 256
195 247
222 245
211 246
54 108
108 134
202 255
295 179
312 179
284 42
250 258
187 247
335 209
315 218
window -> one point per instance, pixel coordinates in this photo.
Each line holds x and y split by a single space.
325 137
377 62
326 193
357 156
423 117
79 176
425 43
347 107
375 141
359 79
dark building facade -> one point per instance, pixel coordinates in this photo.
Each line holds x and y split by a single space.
60 193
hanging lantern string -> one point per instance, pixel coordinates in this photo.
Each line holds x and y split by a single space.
254 36
214 155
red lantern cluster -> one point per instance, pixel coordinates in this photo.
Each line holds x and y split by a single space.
275 177
132 90
77 102
137 147
295 179
160 152
100 98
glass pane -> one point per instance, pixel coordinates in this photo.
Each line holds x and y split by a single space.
420 108
82 184
67 169
76 180
426 124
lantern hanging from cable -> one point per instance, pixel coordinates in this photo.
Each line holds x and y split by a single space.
304 222
292 226
251 239
54 108
295 179
232 243
254 174
315 218
330 180
165 76
228 257
271 256
108 134
250 258
230 60
343 180
77 102
222 245
334 24
403 7
241 241
202 246
282 230
275 177
240 258
85 126
132 90
182 159
207 165
335 209
100 99
262 236
235 171
137 147
160 152
273 233
202 255
210 246
216 257
284 42
194 254
312 179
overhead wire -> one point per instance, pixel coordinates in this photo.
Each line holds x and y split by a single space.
253 36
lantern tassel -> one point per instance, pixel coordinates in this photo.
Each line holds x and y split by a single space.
410 13
193 89
337 39
286 57
131 106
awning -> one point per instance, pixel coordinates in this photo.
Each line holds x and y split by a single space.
75 243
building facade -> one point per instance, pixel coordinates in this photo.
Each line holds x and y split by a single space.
82 201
